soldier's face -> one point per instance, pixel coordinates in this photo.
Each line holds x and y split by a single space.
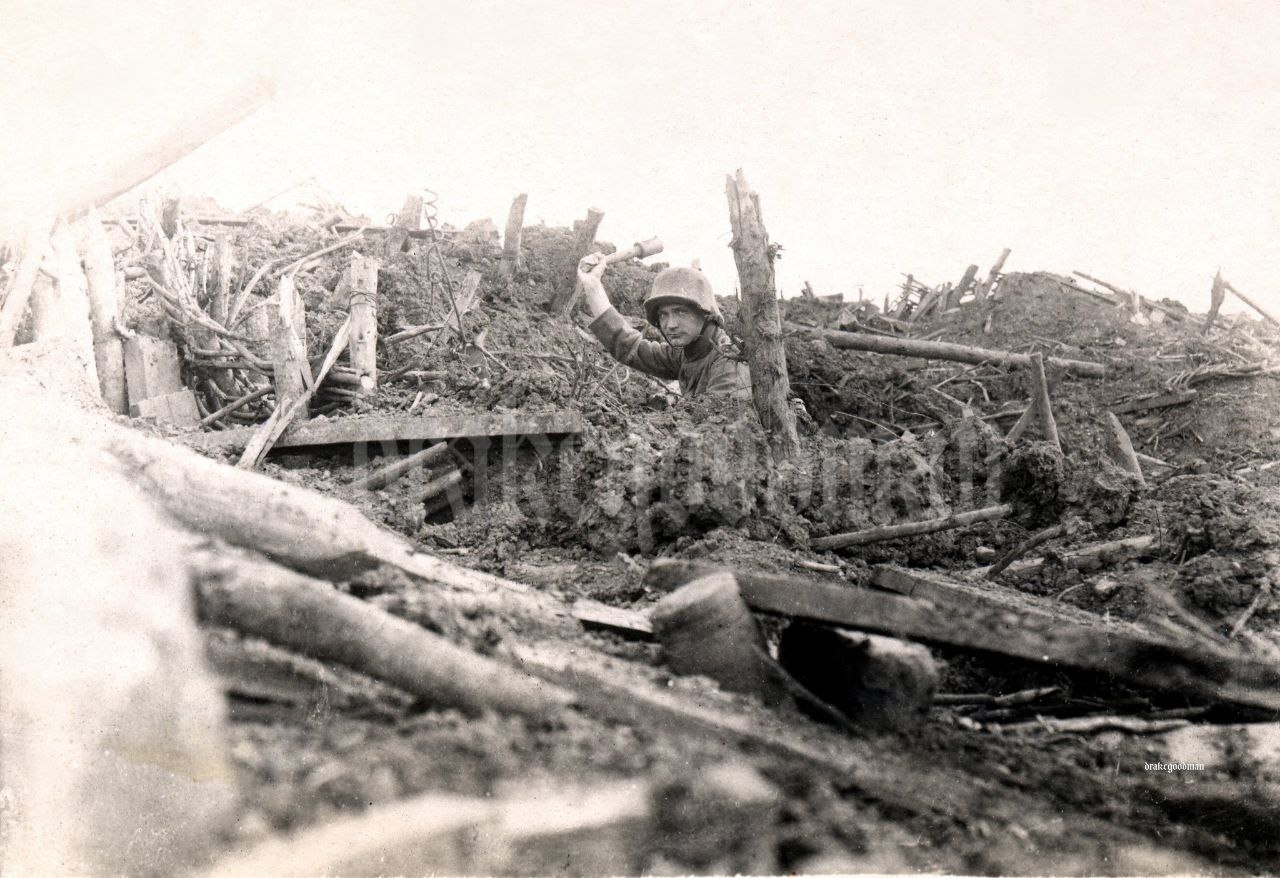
680 323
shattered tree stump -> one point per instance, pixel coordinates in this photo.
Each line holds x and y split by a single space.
567 293
511 236
362 282
104 313
761 320
705 628
880 683
289 345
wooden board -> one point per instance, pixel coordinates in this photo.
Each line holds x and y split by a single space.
399 429
962 616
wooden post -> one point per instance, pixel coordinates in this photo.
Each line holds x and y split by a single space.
220 300
567 293
762 324
362 281
73 297
966 281
104 312
18 292
511 262
1216 297
984 288
807 291
1040 399
289 344
409 219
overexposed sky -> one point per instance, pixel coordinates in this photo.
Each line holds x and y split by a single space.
1137 141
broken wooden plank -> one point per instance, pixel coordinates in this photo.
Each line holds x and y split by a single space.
939 350
911 528
1047 634
631 624
1165 400
385 428
761 320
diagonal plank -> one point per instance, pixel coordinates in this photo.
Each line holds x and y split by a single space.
965 617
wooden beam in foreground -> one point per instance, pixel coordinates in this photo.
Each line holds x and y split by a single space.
963 616
399 429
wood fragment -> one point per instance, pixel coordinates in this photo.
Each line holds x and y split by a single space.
511 261
911 528
938 350
1120 448
1266 315
1217 295
385 475
567 291
761 319
966 281
362 282
286 410
984 288
439 485
104 312
18 292
1039 538
292 372
1091 557
631 624
1165 400
1083 725
312 617
963 616
1042 404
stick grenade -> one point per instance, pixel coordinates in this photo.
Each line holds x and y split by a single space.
641 250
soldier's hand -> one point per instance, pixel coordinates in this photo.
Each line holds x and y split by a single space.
591 268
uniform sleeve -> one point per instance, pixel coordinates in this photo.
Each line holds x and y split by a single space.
729 377
630 347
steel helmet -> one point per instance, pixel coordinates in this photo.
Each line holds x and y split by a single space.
688 286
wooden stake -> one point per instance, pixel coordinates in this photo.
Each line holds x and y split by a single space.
984 288
567 294
104 313
1044 410
288 410
511 261
761 321
1120 448
940 350
18 292
73 299
362 281
911 528
289 344
1217 294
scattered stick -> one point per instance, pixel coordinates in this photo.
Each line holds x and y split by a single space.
1154 402
911 528
411 332
939 350
1089 724
1057 531
1236 628
236 404
440 485
384 476
1087 557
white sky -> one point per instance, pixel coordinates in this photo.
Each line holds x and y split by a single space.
1136 141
